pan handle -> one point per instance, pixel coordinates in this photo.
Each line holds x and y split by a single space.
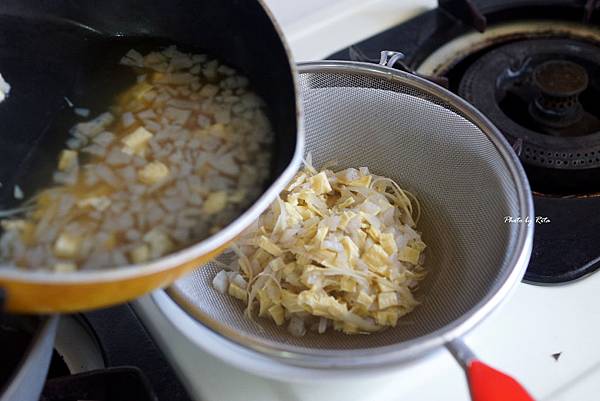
485 382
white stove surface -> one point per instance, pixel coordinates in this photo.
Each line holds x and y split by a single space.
519 338
316 28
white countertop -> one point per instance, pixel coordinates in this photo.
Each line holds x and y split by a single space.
316 28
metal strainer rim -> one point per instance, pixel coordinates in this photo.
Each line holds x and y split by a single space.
410 349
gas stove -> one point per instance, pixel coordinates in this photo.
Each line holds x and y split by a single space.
507 58
543 335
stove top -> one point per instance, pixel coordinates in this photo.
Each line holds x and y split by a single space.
105 355
510 60
126 344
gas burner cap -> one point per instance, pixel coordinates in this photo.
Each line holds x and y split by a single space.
545 92
559 83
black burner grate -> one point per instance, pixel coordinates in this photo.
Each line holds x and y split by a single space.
516 86
566 248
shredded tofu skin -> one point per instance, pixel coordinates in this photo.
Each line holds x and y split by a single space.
180 154
335 250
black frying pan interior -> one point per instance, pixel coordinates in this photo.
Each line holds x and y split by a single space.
58 52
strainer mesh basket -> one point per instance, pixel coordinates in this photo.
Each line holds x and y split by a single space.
417 134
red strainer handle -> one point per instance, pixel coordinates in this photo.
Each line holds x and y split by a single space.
489 384
485 382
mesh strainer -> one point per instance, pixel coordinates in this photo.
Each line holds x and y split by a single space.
467 179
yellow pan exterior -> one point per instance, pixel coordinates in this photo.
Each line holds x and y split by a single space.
65 297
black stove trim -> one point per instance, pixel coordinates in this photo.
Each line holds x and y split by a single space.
573 222
422 34
125 341
465 11
125 383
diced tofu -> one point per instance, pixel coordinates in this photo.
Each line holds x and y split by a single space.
345 219
218 130
178 116
320 183
209 90
305 212
388 243
408 254
127 119
137 141
347 202
153 172
160 243
359 238
133 58
418 245
239 281
387 299
364 299
67 245
352 176
264 303
95 126
297 181
65 267
237 292
141 89
100 203
362 182
347 284
67 160
13 225
221 282
296 326
82 112
376 258
278 314
387 318
350 328
226 164
180 62
336 309
290 301
370 208
293 215
384 285
273 292
179 78
269 246
215 202
140 254
18 192
374 233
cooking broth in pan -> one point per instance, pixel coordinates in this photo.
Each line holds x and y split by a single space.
165 148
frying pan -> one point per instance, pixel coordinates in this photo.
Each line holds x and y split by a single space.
57 52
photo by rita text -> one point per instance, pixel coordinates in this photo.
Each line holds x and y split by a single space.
526 220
